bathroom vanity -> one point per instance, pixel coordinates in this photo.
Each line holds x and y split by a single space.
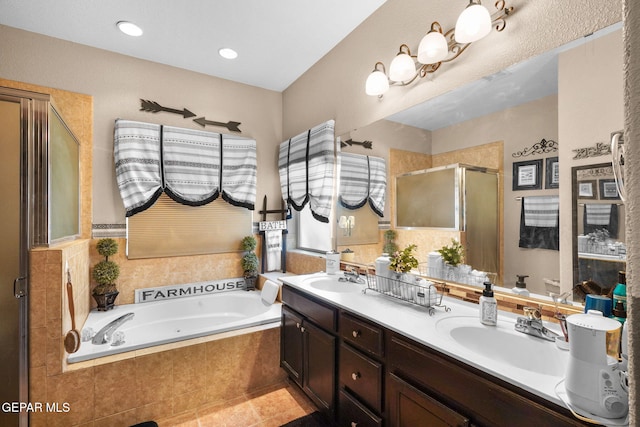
367 360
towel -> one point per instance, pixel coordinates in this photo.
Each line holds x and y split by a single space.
597 214
541 211
269 291
136 152
274 249
599 217
540 236
305 166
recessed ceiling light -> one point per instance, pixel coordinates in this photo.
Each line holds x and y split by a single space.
129 28
228 53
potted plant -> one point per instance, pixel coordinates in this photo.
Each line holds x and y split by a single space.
249 262
404 261
389 246
452 256
105 273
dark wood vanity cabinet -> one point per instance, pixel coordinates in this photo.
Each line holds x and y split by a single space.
365 375
308 347
424 381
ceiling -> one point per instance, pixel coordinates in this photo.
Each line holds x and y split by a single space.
277 41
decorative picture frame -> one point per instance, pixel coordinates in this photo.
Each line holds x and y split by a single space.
552 172
608 189
587 189
527 175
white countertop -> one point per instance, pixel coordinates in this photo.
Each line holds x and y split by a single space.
415 323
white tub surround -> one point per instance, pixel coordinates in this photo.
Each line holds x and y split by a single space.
174 320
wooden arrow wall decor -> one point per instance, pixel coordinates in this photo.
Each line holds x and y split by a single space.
349 142
154 107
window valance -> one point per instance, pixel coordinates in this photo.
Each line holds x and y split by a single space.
306 167
192 167
362 179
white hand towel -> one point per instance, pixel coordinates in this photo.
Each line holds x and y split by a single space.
269 291
274 249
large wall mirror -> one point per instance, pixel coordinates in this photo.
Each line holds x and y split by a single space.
501 120
600 243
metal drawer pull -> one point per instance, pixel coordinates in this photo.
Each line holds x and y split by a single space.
298 325
356 334
355 376
302 329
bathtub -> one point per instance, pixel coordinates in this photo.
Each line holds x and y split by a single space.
157 323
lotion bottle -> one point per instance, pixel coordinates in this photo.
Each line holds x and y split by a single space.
488 306
521 286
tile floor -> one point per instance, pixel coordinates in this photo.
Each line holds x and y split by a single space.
270 407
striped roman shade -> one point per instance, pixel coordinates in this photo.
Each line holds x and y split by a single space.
192 167
137 158
306 167
362 179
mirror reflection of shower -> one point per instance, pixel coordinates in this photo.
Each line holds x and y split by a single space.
617 151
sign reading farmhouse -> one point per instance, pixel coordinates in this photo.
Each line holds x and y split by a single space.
188 290
272 225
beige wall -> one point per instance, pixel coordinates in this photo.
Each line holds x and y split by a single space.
632 133
118 82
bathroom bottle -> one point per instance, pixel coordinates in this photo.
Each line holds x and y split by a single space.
332 262
488 306
620 291
521 286
382 265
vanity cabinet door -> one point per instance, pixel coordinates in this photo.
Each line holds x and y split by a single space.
319 380
291 351
410 407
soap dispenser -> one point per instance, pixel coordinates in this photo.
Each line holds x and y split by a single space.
521 286
488 306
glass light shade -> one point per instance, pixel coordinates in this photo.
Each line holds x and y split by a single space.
129 28
433 48
402 68
473 24
377 83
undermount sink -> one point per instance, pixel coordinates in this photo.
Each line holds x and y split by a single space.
504 344
332 284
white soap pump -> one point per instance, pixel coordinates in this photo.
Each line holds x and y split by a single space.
488 306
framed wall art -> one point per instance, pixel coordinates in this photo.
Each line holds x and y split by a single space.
587 189
552 173
527 175
608 189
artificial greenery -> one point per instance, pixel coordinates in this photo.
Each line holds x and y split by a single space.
249 260
106 272
404 261
452 255
390 246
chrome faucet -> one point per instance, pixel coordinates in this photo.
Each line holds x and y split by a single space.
103 336
351 275
532 325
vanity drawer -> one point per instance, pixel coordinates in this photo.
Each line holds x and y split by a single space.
362 376
353 414
361 334
318 313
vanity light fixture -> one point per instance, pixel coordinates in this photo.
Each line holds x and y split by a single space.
228 53
437 47
129 28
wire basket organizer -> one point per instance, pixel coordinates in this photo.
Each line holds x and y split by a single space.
422 293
